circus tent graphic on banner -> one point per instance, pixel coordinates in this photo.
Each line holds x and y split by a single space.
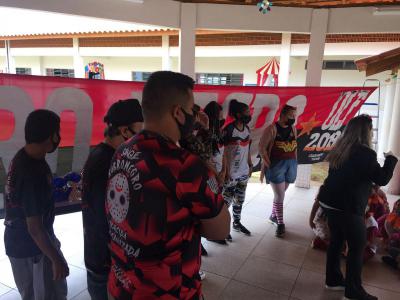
267 75
94 70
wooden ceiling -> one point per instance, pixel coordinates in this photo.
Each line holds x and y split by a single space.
304 3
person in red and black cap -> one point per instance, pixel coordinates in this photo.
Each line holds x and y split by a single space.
124 119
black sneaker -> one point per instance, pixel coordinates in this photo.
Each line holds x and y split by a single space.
390 261
273 220
229 238
203 251
364 296
280 230
240 228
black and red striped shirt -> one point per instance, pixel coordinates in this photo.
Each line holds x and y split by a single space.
156 196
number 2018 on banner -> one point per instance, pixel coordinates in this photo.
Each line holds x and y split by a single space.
322 142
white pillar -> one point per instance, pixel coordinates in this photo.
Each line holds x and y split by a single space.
41 66
387 116
394 141
319 27
10 61
187 39
166 59
284 62
79 68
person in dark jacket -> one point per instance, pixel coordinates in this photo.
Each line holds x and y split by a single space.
124 119
353 168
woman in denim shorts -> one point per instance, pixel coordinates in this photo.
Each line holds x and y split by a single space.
278 150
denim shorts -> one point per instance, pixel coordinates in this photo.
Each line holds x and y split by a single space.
282 171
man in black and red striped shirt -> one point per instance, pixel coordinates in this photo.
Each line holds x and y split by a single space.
160 200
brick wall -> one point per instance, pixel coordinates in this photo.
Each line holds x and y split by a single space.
39 43
132 41
349 38
224 39
232 39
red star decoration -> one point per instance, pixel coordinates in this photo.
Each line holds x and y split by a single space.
308 126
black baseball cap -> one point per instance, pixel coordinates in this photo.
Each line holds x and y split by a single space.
124 113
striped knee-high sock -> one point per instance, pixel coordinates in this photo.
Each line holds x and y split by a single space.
273 214
279 211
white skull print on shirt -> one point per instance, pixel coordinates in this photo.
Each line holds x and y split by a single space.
118 197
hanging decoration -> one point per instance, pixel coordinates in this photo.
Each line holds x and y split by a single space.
268 74
94 70
264 6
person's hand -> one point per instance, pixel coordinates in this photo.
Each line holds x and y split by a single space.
203 119
60 269
221 177
262 176
250 170
266 160
390 153
312 225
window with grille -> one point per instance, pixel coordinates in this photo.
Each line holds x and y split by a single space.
61 72
337 65
141 76
23 71
219 78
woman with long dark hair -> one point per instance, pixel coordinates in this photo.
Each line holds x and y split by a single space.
216 122
353 168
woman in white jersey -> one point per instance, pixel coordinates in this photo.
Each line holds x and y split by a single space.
238 161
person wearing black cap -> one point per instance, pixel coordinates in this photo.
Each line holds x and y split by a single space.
124 119
38 265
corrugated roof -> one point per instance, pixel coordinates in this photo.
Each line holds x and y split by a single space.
29 23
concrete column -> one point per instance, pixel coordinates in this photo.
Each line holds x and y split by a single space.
319 27
387 116
41 66
166 59
394 141
10 61
284 62
79 67
187 39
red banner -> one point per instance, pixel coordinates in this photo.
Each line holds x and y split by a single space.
322 111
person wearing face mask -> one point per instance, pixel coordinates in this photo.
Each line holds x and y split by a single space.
217 121
161 199
238 161
278 151
38 265
123 120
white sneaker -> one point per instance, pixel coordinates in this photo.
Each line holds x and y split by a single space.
202 275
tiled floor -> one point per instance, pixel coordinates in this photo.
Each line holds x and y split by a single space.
251 268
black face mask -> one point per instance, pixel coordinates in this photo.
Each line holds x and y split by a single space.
245 119
221 123
131 131
290 122
186 128
55 144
